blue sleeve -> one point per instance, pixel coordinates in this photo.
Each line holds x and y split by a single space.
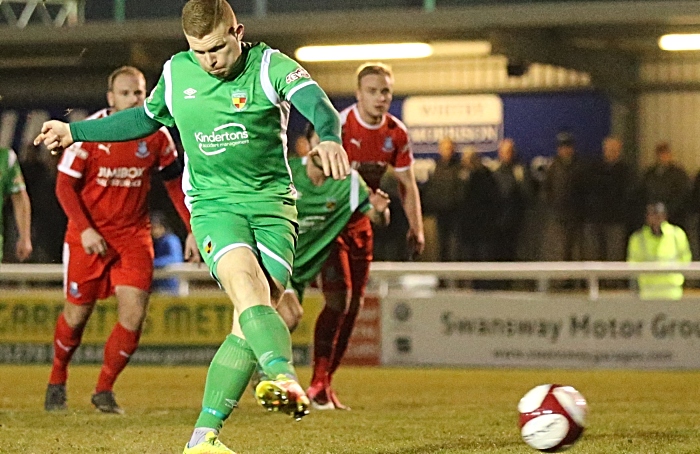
170 251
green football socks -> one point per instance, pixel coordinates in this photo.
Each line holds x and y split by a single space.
269 338
228 376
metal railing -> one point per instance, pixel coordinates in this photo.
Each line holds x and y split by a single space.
54 13
386 272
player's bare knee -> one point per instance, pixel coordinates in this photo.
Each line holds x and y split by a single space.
290 309
291 319
132 317
246 286
298 314
132 305
77 315
293 324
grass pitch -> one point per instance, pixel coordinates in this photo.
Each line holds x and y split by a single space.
395 411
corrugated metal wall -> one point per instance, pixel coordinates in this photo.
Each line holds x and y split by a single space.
671 71
673 117
458 75
668 113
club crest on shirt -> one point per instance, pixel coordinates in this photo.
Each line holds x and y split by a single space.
388 145
331 204
207 245
239 99
142 150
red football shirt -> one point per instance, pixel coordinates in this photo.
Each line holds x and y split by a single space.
116 178
371 148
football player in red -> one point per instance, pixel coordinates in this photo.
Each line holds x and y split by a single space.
374 140
108 249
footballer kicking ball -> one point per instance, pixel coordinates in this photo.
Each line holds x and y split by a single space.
552 417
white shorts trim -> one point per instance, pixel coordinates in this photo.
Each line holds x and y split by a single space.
230 247
274 257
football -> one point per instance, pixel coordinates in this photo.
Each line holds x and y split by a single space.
552 417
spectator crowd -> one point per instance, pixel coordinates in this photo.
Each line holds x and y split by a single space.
502 209
576 208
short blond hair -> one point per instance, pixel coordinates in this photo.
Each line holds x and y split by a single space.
130 70
201 17
380 69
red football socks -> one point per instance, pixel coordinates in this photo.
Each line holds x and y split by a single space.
343 339
121 344
65 341
327 326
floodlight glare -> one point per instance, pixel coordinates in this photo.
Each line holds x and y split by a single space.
446 49
680 42
364 52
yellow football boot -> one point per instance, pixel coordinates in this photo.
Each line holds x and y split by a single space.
211 445
283 394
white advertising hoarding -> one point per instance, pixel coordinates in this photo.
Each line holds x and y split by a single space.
474 120
531 330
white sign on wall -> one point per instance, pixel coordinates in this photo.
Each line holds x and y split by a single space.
474 120
526 330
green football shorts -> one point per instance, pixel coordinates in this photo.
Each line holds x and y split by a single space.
269 229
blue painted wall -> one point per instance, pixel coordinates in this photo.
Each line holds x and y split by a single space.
532 120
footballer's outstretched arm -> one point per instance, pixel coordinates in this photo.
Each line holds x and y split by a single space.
128 124
313 104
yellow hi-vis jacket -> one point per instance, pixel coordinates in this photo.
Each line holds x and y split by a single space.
670 247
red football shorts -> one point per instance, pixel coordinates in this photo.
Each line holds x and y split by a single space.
347 266
89 277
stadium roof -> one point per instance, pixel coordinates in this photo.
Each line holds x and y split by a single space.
601 37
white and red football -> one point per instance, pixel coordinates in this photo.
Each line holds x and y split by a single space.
552 417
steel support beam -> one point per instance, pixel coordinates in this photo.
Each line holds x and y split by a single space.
54 13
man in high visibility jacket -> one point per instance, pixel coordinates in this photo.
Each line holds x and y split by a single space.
659 241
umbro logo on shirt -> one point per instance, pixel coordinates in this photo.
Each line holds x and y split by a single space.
189 93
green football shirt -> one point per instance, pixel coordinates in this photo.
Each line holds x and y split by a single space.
323 213
233 131
11 182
